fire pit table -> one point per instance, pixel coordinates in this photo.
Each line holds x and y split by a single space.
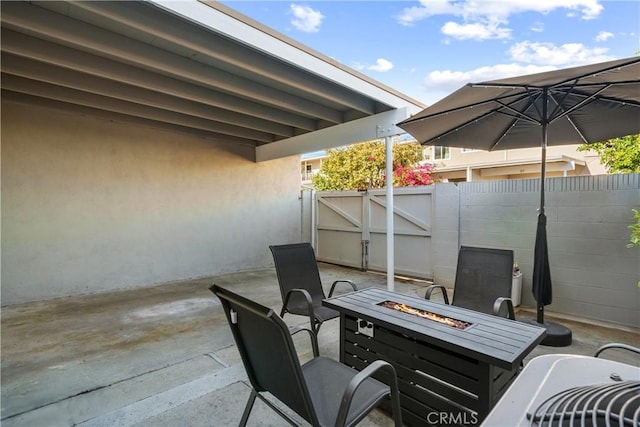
453 364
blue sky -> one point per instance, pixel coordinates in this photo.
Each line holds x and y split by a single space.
427 49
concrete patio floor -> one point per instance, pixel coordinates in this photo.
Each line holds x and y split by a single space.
164 355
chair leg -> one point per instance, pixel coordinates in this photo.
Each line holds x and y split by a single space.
395 401
248 407
316 328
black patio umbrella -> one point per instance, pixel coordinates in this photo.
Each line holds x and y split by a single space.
577 105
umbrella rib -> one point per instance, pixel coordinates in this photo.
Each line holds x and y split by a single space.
566 114
578 131
464 107
588 99
457 128
588 85
504 133
471 120
608 98
518 114
534 104
632 61
566 93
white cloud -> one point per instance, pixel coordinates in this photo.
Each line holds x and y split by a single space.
537 27
441 83
475 31
527 58
487 19
452 80
410 15
381 65
569 54
603 36
495 10
306 19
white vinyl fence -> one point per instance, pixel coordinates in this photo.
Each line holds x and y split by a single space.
351 229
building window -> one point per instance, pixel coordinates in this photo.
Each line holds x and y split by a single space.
441 153
306 171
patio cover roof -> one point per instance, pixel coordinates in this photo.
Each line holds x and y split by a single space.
196 67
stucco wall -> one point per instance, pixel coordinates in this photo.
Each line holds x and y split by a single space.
89 205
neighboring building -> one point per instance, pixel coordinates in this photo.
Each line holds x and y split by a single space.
460 164
310 164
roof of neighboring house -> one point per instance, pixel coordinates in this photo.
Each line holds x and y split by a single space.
512 167
196 67
315 155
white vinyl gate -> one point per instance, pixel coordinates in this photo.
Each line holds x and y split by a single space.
351 229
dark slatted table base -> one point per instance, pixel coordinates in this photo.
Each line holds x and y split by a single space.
438 387
447 376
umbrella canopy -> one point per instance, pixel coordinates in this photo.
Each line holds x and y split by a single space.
577 105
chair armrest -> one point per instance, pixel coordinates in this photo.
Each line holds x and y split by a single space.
307 296
497 307
312 336
363 375
333 286
616 345
430 289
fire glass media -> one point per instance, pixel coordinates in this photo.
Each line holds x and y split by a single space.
449 321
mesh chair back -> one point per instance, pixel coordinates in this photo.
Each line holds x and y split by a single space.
296 267
267 351
482 275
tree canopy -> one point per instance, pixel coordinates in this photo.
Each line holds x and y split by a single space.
362 166
619 155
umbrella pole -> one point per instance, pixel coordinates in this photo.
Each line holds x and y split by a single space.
543 173
540 314
557 335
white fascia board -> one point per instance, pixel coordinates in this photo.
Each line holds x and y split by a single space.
365 129
567 162
257 39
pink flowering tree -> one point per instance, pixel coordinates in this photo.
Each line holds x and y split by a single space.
409 176
362 166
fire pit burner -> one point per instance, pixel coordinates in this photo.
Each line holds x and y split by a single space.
454 323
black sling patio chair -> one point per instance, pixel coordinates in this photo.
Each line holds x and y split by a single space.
322 391
300 284
616 345
483 281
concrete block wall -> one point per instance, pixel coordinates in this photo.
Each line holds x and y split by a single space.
594 274
445 233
